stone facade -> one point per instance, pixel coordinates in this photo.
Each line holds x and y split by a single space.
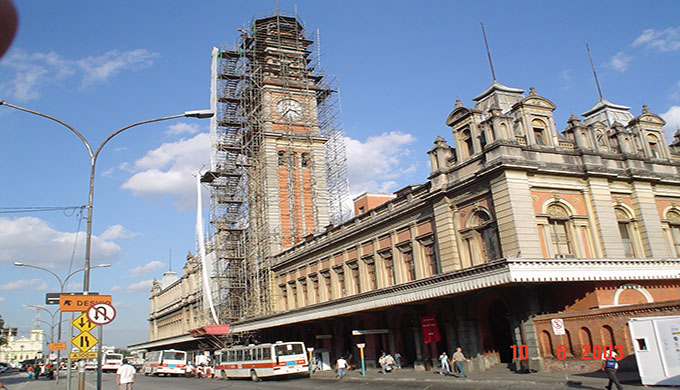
176 304
517 224
21 348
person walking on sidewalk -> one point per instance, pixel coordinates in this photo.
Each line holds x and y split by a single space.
125 376
445 368
458 359
610 365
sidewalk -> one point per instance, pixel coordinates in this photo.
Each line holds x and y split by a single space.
496 374
16 380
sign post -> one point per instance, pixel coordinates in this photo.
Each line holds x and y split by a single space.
361 347
558 330
311 367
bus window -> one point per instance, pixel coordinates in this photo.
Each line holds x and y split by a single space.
239 355
288 349
267 354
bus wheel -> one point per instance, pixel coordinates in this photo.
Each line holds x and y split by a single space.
253 376
146 374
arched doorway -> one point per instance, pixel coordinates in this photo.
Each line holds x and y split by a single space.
501 332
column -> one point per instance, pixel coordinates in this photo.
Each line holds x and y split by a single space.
605 219
445 236
651 231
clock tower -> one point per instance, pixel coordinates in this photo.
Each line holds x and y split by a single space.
278 168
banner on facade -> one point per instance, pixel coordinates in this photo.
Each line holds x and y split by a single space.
430 329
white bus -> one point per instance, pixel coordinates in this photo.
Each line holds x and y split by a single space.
169 362
111 362
264 360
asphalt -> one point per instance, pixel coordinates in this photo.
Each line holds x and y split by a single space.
496 375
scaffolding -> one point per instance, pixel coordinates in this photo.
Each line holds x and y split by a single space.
272 60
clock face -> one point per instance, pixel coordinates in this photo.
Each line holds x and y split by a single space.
289 109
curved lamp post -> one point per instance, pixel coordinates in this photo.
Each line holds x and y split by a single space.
93 162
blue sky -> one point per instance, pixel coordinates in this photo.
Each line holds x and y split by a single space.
102 65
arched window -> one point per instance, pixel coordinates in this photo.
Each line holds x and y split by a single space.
585 338
626 231
282 158
560 238
653 146
481 238
540 132
547 344
467 139
673 220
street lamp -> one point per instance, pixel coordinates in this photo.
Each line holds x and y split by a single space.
93 161
52 314
62 284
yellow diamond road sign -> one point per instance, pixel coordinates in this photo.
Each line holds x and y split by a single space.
84 341
83 323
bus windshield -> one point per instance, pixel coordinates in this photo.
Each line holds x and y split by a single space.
174 355
288 349
113 356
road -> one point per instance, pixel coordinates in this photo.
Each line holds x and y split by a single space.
155 383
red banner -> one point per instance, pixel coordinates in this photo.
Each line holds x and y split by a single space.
430 329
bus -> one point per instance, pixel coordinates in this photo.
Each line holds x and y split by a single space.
111 362
264 360
169 362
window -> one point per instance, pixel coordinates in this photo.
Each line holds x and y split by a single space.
354 268
303 283
409 263
467 140
673 218
389 267
327 283
481 237
429 257
370 269
284 296
539 131
560 239
282 158
653 146
305 159
341 281
625 225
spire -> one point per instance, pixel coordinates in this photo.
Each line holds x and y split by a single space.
645 109
597 82
488 54
458 104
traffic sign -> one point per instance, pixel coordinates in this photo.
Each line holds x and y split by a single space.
53 298
83 323
82 355
81 302
558 326
57 346
84 341
101 313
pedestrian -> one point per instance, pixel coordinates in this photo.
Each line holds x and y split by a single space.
389 363
445 369
397 360
341 367
610 365
3 386
125 376
458 359
31 372
381 362
189 370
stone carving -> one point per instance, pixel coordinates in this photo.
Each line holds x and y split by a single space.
557 210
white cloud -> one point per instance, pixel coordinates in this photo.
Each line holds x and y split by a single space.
33 284
170 169
567 74
665 40
116 232
2 299
31 240
33 72
101 68
182 128
619 62
146 268
115 288
376 164
143 286
672 118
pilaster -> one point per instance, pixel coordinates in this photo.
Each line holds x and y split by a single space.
605 218
445 236
515 216
650 226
